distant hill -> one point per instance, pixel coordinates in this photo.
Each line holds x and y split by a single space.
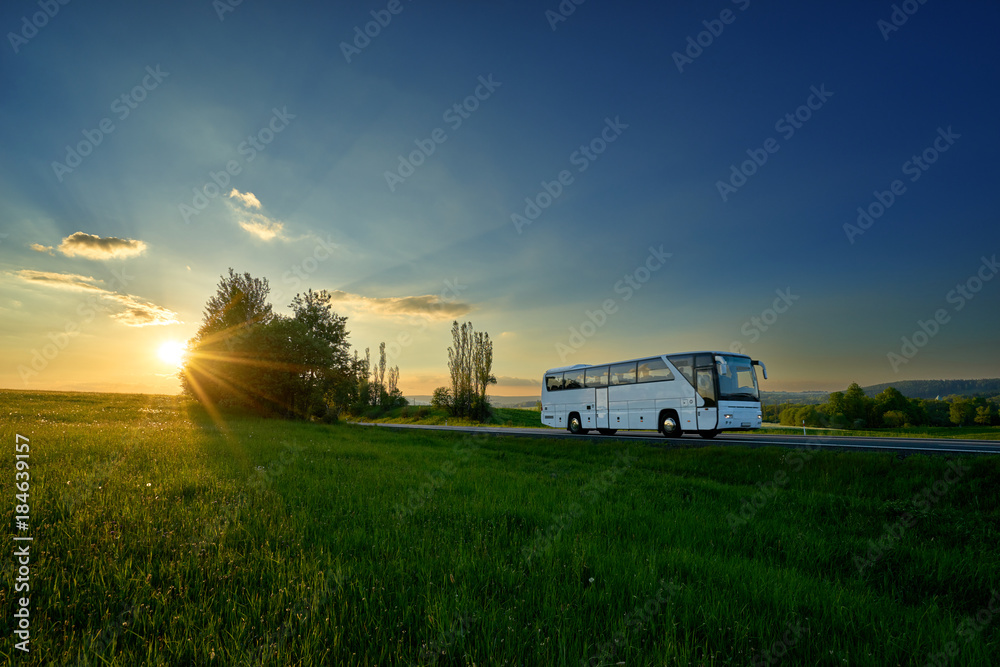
800 397
909 388
498 401
942 388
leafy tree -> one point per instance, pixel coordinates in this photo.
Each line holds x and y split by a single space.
245 356
985 415
240 301
470 362
963 411
894 418
441 398
857 406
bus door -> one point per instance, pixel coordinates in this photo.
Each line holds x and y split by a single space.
708 413
601 405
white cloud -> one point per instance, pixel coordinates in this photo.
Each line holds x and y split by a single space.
249 199
258 224
90 246
262 226
429 305
131 310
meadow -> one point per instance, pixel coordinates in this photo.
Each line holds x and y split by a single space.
164 535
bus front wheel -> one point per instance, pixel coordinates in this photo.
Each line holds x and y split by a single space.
607 431
708 435
669 426
575 426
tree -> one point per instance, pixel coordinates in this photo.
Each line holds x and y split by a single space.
857 406
245 356
894 418
984 415
240 301
331 371
239 304
470 362
963 411
441 398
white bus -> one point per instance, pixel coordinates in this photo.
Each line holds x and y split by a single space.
693 392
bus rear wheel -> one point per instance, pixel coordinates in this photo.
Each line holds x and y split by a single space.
575 426
669 426
607 431
708 435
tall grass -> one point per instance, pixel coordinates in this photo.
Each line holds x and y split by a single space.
163 537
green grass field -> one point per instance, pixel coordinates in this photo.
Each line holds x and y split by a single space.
424 414
942 432
162 537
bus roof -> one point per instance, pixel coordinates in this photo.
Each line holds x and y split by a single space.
560 369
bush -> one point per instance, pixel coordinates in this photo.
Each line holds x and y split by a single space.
331 416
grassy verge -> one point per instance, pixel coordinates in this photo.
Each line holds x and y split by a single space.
162 537
941 432
424 414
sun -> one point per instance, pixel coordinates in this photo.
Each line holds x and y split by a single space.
172 352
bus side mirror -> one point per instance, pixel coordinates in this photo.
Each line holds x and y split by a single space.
723 366
763 368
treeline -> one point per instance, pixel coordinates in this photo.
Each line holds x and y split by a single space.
935 388
246 357
853 409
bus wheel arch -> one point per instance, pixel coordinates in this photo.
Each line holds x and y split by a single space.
670 424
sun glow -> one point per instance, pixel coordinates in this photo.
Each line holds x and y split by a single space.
172 352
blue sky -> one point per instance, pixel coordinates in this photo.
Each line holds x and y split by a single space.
107 252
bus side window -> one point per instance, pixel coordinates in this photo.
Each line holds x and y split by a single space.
574 380
685 364
597 377
554 382
654 370
623 373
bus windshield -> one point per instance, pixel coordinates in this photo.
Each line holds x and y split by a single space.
740 382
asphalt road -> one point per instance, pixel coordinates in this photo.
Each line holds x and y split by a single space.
923 445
